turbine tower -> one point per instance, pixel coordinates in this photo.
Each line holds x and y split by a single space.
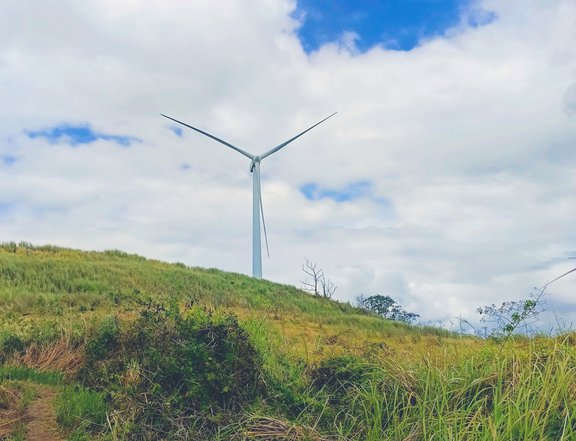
257 209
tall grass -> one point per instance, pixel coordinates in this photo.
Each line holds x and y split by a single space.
80 408
524 393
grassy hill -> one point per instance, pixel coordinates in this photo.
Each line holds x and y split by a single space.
141 349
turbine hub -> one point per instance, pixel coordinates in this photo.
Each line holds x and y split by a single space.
255 160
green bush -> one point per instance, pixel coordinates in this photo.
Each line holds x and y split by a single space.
167 366
104 340
10 344
337 375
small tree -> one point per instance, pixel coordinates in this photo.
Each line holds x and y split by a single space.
328 288
387 307
513 315
318 283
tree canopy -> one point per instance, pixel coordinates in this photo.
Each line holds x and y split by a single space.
387 307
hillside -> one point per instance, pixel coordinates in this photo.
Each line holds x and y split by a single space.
133 348
62 289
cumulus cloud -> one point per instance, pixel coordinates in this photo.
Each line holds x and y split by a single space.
468 138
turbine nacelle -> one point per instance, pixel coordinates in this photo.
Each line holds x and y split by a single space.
257 193
255 160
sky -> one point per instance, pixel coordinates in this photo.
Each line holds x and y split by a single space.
446 180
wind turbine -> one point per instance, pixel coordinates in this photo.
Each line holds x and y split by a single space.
257 209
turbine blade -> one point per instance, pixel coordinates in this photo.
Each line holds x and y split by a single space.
264 224
284 144
221 141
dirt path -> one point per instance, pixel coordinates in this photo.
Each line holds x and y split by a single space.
41 417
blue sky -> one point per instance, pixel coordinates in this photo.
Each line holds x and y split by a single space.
8 160
395 24
5 207
352 191
177 131
347 193
78 134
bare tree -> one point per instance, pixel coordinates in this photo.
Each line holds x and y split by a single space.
360 302
328 288
315 273
318 283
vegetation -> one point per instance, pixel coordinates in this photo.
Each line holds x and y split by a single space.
386 307
141 349
316 281
513 315
80 409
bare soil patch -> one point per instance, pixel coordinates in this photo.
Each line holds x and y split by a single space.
40 417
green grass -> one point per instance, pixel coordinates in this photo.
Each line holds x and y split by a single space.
327 369
47 292
22 373
79 409
516 394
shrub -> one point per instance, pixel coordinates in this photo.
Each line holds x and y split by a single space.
104 340
10 344
167 366
339 374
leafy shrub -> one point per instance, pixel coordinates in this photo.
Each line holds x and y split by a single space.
339 374
10 344
167 366
289 389
104 340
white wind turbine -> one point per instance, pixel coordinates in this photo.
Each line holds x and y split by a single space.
256 194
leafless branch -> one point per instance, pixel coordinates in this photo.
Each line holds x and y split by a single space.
316 275
328 288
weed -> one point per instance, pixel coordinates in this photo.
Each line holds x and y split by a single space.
24 373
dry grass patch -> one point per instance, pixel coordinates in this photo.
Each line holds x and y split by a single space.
61 355
273 429
10 409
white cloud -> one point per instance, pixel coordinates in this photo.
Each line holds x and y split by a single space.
470 137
